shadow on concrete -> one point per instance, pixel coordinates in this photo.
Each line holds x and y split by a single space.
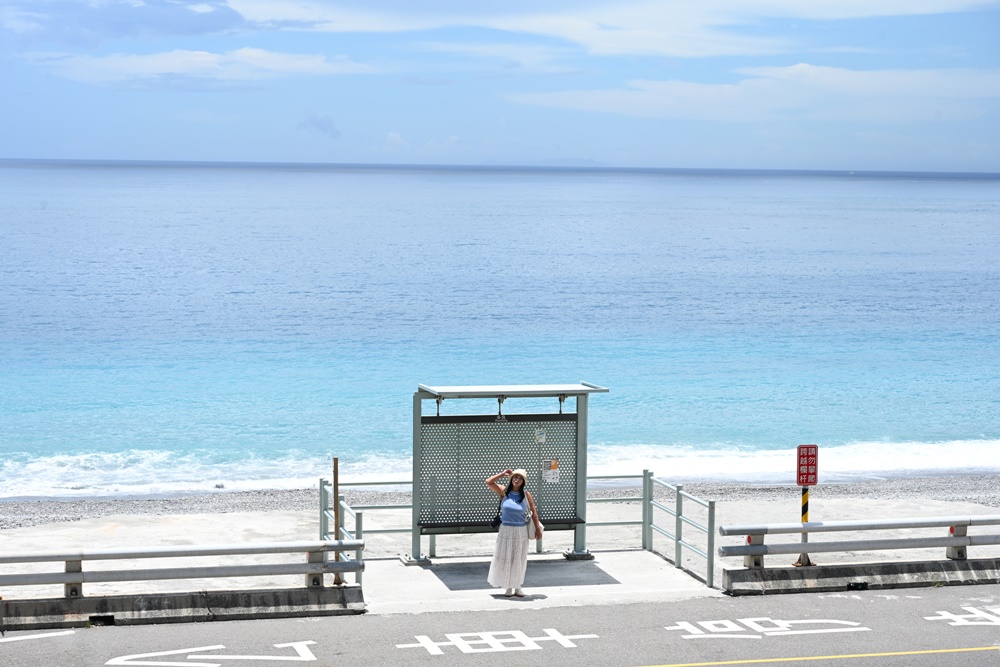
561 572
527 597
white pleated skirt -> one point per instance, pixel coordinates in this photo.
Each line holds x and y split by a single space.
510 558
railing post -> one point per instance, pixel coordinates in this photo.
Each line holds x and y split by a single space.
74 590
324 506
678 524
338 516
647 510
957 553
359 528
315 579
710 550
754 561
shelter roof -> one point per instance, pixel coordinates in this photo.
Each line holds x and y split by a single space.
513 390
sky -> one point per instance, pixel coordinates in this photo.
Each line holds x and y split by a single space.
900 85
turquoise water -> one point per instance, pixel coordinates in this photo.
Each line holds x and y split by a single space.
171 328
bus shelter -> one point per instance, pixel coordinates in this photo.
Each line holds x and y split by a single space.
454 454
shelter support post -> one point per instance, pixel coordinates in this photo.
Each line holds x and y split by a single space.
579 551
416 556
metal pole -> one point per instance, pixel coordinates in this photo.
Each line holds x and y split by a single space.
415 515
324 507
580 533
710 575
804 557
647 510
337 579
358 533
678 524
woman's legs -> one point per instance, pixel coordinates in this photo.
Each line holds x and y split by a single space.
510 559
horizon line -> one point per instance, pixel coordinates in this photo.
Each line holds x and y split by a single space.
540 167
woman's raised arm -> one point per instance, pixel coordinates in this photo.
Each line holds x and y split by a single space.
492 485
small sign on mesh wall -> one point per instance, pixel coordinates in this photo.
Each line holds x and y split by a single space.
550 471
808 468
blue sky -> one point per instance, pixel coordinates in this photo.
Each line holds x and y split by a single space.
771 84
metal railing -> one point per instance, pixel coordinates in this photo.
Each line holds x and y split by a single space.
357 532
680 520
647 522
73 578
956 543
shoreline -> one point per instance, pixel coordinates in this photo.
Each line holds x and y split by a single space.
980 489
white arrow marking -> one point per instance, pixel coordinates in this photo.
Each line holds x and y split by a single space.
303 654
134 659
47 634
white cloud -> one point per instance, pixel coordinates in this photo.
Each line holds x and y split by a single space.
17 21
681 28
678 28
520 57
936 83
86 23
670 28
241 65
799 91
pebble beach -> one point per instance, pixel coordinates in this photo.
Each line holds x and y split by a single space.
976 489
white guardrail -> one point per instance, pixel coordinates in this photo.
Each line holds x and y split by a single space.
73 578
955 543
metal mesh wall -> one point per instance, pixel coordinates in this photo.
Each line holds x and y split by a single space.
458 453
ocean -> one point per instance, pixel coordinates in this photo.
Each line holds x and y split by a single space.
179 328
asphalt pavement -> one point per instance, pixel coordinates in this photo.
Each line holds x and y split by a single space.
929 627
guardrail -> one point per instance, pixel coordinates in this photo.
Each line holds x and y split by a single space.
327 515
647 520
680 520
956 543
73 578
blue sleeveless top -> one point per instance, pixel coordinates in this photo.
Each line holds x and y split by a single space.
513 508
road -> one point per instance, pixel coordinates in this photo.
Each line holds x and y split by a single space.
922 627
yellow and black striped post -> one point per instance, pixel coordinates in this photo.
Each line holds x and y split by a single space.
804 557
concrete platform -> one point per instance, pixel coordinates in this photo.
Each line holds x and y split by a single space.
459 583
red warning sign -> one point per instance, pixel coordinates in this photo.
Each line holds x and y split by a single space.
808 468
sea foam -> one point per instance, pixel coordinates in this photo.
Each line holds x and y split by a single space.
155 473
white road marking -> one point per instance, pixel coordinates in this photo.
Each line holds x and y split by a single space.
47 634
301 649
764 625
487 642
302 654
135 659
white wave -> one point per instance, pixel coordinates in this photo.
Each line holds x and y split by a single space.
158 473
155 473
777 466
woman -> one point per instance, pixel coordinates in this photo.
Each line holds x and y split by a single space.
510 558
